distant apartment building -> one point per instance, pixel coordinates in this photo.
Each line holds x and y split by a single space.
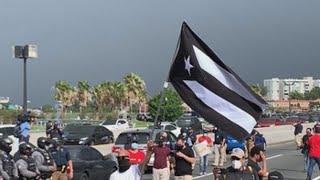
278 89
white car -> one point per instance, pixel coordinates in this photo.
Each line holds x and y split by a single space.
115 124
7 131
170 126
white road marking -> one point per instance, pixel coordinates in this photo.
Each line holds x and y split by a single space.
268 158
316 178
272 157
198 177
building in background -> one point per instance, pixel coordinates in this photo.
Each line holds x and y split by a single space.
278 89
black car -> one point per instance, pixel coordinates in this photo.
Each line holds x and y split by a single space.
86 134
191 121
89 164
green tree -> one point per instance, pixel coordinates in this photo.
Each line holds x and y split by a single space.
171 108
66 94
296 95
259 90
84 95
47 108
313 94
314 105
135 88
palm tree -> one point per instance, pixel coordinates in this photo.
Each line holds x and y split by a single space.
119 95
65 94
84 94
136 89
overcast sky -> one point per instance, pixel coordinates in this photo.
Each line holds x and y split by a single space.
103 40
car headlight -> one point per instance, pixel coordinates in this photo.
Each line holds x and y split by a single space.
84 139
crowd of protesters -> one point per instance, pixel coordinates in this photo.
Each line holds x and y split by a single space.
51 161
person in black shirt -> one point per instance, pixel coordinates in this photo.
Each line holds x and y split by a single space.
257 155
305 148
184 158
298 134
218 144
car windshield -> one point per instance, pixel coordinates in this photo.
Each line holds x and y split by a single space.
109 122
123 138
83 130
183 122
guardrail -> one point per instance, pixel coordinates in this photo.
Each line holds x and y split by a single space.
43 122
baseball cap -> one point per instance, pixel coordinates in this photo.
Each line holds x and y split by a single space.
237 152
275 175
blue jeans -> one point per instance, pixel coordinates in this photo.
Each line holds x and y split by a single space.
203 163
313 161
306 159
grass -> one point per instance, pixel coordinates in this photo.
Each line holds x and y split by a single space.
141 124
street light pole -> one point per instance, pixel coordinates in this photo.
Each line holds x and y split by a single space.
25 94
25 52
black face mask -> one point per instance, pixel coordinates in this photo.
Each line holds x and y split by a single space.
123 165
179 147
7 149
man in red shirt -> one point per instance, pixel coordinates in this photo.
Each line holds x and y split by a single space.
204 159
136 156
314 150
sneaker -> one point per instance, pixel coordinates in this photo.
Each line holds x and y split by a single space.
200 174
204 173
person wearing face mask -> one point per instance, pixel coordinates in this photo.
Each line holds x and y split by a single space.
204 159
184 158
238 170
43 158
219 143
27 167
62 159
161 153
8 167
191 137
125 170
136 156
257 156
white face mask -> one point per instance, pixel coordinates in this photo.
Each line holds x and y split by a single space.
236 164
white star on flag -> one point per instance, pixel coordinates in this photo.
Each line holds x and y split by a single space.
188 66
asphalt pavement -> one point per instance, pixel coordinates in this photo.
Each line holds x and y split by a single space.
281 157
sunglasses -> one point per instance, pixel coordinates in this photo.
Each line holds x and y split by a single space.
235 158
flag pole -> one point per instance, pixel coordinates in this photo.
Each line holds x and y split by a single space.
165 86
155 123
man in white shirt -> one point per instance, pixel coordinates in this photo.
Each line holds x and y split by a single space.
126 171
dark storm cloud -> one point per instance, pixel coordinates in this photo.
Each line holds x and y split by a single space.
101 40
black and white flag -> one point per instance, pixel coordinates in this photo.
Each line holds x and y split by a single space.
212 89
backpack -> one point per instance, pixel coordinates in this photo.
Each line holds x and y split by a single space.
17 130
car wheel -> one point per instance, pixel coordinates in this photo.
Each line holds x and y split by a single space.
84 176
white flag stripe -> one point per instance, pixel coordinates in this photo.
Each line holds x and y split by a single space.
227 79
221 106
